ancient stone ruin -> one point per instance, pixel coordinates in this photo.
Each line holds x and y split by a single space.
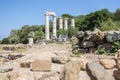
91 41
49 13
57 64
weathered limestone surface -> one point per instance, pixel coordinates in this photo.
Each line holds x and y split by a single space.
5 68
83 62
108 63
84 76
74 40
117 72
97 72
112 36
80 34
72 70
41 65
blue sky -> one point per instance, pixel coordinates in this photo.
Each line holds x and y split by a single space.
16 13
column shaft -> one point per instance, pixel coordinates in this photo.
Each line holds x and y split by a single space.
73 23
65 24
46 27
60 23
54 26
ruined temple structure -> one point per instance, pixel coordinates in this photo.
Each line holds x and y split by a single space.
65 27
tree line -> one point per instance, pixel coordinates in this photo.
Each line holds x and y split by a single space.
101 19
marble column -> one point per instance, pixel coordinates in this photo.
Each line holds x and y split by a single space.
54 26
73 23
65 23
60 23
46 27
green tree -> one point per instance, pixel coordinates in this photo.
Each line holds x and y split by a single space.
14 37
78 20
117 14
31 34
39 35
5 41
71 31
62 32
93 20
24 34
108 25
0 41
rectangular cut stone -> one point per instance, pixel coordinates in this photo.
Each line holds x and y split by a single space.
41 65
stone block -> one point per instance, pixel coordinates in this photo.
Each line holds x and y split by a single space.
106 46
95 70
41 65
108 63
88 44
117 74
112 36
74 40
80 34
84 62
72 70
60 60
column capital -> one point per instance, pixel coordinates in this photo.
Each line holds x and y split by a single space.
65 18
60 17
72 19
54 16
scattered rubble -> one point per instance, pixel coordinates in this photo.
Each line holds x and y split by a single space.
51 63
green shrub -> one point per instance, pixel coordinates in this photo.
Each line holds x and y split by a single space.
101 51
116 46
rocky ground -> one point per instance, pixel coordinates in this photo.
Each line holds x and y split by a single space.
55 62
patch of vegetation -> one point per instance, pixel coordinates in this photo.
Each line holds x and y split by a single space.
101 51
108 25
116 46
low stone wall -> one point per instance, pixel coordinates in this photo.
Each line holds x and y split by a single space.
90 41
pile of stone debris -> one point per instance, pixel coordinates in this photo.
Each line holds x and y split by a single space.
90 41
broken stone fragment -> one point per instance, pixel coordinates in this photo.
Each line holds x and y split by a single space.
60 60
5 68
25 64
108 63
